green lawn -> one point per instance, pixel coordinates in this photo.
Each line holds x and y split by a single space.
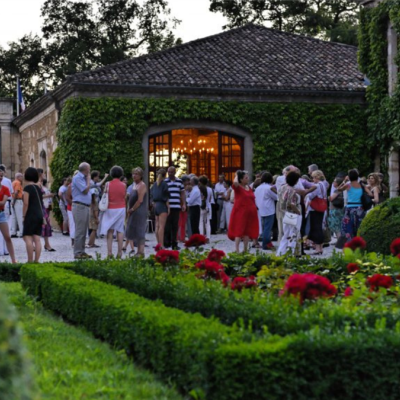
70 364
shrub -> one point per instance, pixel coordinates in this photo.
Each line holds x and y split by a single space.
381 226
256 309
15 379
176 345
311 366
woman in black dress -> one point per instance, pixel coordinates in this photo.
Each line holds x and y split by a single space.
160 198
32 214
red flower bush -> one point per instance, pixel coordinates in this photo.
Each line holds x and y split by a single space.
352 267
377 281
212 268
348 292
223 277
309 286
196 240
395 247
356 243
240 283
167 256
216 255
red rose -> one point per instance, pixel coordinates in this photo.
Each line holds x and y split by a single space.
196 240
240 283
223 277
352 267
212 268
356 243
216 255
158 247
308 286
167 256
376 281
395 247
348 292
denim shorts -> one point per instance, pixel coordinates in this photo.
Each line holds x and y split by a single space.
3 217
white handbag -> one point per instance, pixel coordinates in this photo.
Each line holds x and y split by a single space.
103 204
290 218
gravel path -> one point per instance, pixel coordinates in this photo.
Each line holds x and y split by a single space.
62 245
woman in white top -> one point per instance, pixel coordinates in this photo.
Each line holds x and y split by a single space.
206 210
265 200
228 204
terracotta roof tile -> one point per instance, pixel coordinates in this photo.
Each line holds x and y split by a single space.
249 57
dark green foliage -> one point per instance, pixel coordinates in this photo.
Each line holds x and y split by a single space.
15 379
332 20
381 226
107 131
311 366
176 345
383 110
10 272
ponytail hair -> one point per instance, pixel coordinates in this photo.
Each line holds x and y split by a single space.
161 174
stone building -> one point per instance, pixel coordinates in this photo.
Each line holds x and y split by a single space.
252 64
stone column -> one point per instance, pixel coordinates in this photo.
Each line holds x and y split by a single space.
393 167
6 117
394 176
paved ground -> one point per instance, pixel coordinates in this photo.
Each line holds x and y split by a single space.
62 245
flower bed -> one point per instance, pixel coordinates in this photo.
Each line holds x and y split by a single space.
204 357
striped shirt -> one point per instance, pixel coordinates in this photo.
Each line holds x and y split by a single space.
175 188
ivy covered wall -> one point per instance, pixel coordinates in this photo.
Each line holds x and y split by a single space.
383 112
109 131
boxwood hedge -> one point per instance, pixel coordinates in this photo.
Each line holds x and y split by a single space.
15 379
381 226
212 359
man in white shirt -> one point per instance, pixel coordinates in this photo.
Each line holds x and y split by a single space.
220 191
7 210
265 201
194 203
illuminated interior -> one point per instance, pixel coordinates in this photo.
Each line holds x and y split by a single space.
198 151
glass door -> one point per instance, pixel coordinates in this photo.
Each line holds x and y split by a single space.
231 154
159 154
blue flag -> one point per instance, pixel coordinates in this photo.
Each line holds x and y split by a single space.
20 98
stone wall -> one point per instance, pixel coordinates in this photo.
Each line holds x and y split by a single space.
38 141
10 138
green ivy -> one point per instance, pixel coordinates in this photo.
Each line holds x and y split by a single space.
383 110
109 131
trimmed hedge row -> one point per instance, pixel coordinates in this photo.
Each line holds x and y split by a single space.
201 353
174 344
15 379
258 310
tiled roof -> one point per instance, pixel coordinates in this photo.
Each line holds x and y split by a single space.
251 57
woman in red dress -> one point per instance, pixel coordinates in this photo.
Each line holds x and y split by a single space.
244 219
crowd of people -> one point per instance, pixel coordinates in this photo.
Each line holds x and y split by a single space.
300 212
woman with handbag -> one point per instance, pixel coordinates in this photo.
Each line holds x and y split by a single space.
159 195
336 208
354 211
114 216
317 205
291 209
32 213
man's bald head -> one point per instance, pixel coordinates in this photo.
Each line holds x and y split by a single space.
84 168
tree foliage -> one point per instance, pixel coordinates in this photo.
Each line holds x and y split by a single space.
334 20
82 35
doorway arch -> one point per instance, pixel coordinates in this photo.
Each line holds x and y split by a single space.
220 148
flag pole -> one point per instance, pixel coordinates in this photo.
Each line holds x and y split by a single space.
17 95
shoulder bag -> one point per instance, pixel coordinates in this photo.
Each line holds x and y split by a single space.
366 199
44 220
290 218
318 204
103 204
